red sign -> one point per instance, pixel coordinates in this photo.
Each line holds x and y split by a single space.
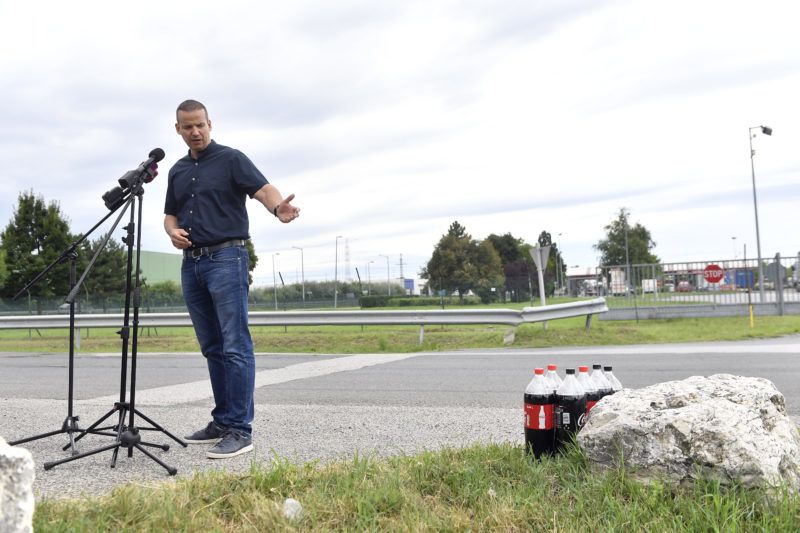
713 274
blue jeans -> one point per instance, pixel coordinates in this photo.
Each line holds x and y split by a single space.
215 290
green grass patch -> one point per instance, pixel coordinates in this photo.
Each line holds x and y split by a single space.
480 488
371 339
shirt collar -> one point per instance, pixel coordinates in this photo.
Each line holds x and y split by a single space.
212 146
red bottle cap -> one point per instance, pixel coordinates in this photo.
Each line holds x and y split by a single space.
583 368
552 367
539 371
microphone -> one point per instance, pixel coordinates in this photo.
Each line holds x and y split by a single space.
128 179
146 171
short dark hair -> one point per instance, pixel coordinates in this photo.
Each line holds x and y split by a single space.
190 105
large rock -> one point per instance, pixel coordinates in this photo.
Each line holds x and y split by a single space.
16 489
725 427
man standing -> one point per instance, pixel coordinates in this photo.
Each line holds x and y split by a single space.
205 216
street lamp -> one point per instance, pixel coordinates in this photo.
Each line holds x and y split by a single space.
766 131
336 273
734 247
274 281
302 274
369 278
388 283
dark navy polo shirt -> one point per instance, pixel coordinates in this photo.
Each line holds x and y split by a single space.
208 194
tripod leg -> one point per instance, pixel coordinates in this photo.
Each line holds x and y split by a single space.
43 435
172 470
161 429
120 429
72 444
50 464
90 428
164 447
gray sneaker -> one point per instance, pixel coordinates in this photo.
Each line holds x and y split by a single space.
233 443
211 433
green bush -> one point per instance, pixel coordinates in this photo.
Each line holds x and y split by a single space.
378 300
415 301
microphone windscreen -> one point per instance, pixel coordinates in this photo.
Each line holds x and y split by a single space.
157 154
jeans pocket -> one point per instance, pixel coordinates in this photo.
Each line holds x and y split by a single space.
226 255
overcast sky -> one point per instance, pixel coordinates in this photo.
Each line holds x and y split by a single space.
390 120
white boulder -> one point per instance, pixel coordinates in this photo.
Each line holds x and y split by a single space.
725 427
16 489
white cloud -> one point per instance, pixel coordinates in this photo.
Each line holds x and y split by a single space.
391 120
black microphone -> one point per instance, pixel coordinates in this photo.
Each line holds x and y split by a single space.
155 155
128 179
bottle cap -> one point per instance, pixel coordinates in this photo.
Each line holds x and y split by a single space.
551 367
570 371
596 367
538 371
607 369
583 368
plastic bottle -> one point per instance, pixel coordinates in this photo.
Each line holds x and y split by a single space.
601 382
552 376
570 409
592 394
615 383
539 403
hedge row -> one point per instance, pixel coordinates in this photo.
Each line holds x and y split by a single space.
385 300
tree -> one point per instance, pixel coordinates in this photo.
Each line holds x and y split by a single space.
555 264
36 237
488 277
108 272
508 247
3 268
460 263
251 251
640 243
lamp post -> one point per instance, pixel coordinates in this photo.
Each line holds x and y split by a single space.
766 131
336 274
274 281
302 274
627 260
369 278
734 247
388 283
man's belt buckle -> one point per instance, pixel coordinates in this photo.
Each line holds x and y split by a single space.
197 252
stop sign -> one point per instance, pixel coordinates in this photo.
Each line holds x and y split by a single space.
713 274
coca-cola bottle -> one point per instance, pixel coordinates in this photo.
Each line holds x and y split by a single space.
552 376
539 403
570 409
615 384
601 382
592 394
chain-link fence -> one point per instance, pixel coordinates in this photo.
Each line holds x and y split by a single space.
724 287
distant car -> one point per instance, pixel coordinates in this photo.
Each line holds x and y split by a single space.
669 287
684 286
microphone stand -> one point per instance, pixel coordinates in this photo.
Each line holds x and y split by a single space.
126 436
70 424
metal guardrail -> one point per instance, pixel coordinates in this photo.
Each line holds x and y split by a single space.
420 317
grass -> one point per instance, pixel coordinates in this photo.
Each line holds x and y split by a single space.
491 487
483 487
370 339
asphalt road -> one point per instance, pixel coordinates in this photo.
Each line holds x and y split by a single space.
325 407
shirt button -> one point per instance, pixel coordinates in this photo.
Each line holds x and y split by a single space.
190 211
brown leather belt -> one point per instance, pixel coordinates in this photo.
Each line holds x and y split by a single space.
194 253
